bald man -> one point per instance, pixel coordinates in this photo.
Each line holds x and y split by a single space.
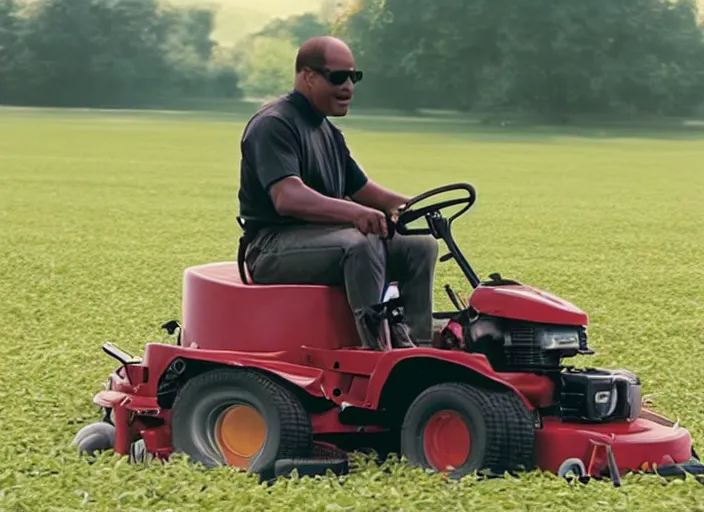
310 213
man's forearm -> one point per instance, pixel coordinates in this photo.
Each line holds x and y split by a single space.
392 200
376 196
296 200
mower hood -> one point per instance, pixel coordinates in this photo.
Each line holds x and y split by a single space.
520 302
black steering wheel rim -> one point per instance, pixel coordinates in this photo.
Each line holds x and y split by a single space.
407 215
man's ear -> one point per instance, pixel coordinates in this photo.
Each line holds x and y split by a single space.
308 77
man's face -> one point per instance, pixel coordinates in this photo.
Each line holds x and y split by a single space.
330 99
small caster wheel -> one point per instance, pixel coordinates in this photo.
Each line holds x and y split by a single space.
95 438
574 465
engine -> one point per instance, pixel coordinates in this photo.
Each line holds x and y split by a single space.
588 395
518 346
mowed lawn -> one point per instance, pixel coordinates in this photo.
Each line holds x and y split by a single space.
101 212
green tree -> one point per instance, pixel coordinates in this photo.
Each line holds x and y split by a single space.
187 48
224 78
13 55
295 28
266 65
331 10
265 60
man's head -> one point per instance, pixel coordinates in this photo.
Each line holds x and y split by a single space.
325 72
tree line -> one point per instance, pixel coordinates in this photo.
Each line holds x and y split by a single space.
555 58
552 58
107 52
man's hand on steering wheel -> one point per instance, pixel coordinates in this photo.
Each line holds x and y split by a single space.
404 214
387 224
394 214
392 217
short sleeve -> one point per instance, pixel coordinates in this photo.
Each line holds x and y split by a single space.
355 177
271 150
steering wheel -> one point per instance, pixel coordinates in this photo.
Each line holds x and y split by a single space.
408 215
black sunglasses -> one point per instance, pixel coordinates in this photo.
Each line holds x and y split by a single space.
338 77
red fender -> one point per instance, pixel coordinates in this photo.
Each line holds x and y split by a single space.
139 404
476 363
159 356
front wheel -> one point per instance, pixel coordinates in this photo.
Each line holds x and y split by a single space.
240 418
461 429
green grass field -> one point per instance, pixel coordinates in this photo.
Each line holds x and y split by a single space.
101 212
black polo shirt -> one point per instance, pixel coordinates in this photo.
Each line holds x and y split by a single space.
288 137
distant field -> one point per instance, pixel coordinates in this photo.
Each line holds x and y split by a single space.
238 18
101 212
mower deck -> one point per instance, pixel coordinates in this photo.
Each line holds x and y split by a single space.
636 445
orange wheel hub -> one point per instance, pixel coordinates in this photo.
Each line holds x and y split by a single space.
240 431
446 441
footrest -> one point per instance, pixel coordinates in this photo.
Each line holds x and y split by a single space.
325 457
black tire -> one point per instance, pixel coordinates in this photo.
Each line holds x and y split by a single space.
500 427
95 438
202 399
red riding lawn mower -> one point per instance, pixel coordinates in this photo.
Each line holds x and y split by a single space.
275 378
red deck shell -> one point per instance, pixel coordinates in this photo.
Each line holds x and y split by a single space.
633 443
222 313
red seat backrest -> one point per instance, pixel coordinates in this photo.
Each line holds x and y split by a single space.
222 313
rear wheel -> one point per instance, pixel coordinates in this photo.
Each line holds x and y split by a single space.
239 418
460 429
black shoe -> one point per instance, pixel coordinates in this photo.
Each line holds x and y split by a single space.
401 336
372 327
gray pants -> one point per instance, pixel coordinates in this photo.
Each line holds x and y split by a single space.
343 256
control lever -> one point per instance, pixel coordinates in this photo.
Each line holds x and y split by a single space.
456 301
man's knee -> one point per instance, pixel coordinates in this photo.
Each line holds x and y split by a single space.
430 246
365 247
423 249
